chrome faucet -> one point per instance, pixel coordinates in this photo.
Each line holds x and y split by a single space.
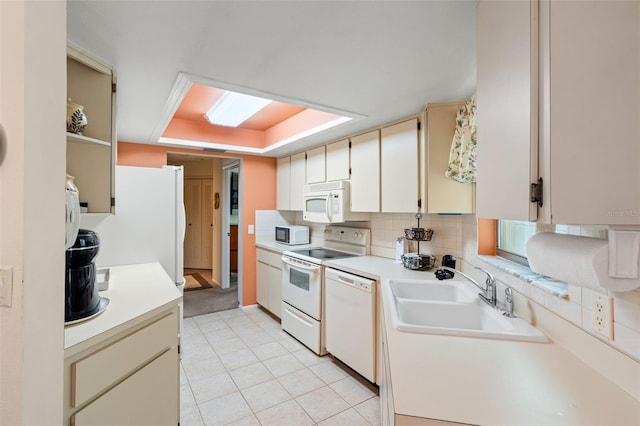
508 303
488 294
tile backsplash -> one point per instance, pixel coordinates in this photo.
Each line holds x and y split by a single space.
457 235
385 229
577 306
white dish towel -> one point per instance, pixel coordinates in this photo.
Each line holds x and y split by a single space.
581 261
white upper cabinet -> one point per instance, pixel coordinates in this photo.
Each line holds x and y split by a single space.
507 107
283 179
584 142
290 178
316 165
296 184
91 153
400 167
590 130
443 195
365 172
338 160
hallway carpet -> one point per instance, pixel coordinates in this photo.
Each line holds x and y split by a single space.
208 300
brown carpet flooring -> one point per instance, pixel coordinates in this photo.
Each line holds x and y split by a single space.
205 300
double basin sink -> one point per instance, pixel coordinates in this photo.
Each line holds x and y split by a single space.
451 308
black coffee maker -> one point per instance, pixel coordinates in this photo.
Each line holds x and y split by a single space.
81 289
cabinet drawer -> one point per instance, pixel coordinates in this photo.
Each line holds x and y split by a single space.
275 260
262 256
148 397
100 370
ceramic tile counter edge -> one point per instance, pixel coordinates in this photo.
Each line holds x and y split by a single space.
135 292
483 381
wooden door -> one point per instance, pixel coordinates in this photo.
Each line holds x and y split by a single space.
198 239
233 248
207 224
193 233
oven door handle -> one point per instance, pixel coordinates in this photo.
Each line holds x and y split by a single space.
314 268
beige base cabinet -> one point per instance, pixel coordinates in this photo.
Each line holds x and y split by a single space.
443 195
566 112
269 280
91 154
130 378
290 177
387 407
399 167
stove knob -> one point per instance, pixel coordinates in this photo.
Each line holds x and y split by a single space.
357 235
327 231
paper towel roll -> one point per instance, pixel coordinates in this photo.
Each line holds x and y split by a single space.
581 261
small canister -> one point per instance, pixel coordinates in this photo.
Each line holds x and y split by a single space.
449 261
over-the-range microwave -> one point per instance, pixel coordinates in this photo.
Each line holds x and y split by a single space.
329 203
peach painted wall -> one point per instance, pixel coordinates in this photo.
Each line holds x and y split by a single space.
258 193
305 120
180 128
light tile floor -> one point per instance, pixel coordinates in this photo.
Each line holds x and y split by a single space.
239 368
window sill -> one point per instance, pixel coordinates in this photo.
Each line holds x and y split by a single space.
544 283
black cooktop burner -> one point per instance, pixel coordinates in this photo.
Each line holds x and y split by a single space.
321 253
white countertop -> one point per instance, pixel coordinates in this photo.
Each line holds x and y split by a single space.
280 247
483 381
135 292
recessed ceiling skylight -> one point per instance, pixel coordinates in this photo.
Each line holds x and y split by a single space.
234 109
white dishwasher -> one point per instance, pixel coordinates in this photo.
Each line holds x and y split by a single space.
350 330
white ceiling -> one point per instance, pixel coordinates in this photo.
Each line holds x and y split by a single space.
382 59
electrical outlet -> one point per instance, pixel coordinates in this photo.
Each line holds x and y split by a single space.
602 315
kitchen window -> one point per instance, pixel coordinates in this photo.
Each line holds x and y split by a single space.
512 236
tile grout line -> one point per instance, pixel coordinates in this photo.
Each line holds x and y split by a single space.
252 319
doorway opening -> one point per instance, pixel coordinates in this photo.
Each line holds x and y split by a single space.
210 185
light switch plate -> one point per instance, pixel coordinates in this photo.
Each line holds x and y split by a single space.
6 286
251 229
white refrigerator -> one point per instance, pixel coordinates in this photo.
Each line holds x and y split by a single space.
149 220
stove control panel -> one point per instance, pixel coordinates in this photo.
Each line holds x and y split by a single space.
359 236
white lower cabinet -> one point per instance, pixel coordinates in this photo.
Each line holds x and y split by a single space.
389 417
269 280
131 377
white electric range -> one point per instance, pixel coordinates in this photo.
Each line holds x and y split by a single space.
303 282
